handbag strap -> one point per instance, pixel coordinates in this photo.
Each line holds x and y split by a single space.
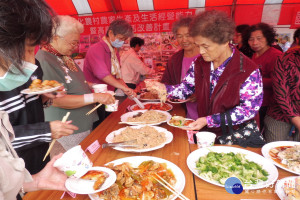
227 113
229 122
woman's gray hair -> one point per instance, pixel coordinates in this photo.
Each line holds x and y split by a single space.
182 22
122 27
67 25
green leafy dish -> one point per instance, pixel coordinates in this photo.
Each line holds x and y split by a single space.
217 163
220 166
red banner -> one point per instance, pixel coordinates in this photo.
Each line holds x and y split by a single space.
142 22
296 18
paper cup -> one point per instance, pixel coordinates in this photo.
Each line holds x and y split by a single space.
100 88
205 139
74 162
112 107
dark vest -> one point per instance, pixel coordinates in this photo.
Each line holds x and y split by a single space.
226 94
172 74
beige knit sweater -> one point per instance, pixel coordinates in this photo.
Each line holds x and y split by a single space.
12 168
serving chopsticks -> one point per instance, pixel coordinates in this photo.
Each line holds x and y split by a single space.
64 119
169 186
95 108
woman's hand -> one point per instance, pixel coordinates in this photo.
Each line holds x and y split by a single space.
49 178
197 125
154 85
129 92
59 129
192 98
104 98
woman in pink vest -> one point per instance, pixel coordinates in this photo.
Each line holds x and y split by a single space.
223 79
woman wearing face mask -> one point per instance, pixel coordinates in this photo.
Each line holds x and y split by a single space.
58 65
20 30
102 61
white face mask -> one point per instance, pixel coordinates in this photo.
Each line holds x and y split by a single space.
117 43
14 78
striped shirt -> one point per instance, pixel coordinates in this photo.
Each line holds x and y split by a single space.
26 115
286 86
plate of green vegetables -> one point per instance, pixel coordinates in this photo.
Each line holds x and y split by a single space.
217 163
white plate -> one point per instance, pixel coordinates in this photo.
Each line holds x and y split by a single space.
28 91
267 147
131 107
135 161
177 102
280 185
77 186
251 156
125 116
168 135
168 122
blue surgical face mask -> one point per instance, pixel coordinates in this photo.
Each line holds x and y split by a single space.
117 43
14 78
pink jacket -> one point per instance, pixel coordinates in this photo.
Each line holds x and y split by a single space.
132 67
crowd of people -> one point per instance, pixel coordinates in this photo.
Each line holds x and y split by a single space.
232 77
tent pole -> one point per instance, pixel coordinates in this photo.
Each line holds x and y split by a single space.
233 7
113 6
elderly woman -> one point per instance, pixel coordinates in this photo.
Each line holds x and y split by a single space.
282 121
181 61
222 78
58 65
102 61
260 38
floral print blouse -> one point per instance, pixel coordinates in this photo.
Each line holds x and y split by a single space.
251 94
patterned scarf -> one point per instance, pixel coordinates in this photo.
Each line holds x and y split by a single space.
115 65
68 61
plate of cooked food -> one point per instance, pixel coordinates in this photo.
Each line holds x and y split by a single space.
148 117
177 101
284 154
147 138
143 177
148 96
40 87
95 180
153 106
288 188
179 122
217 163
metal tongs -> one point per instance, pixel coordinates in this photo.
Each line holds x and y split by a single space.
125 144
138 103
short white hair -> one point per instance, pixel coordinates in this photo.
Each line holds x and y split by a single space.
67 25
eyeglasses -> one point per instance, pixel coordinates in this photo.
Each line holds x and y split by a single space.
73 44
